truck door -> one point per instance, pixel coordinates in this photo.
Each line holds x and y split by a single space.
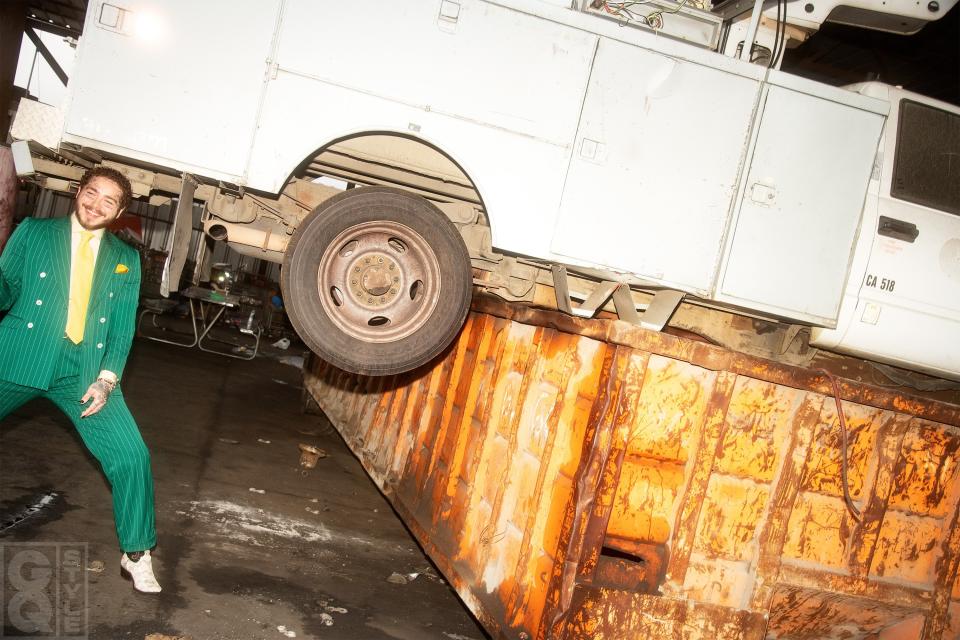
801 203
907 307
655 163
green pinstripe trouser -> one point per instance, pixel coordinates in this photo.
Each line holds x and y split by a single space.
112 437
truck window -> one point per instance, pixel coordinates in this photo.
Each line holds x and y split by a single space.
926 169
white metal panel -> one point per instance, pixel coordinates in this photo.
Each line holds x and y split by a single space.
903 305
927 270
919 337
654 171
175 83
39 122
506 114
801 206
466 59
519 177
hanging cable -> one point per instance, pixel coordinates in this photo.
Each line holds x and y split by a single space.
782 29
843 448
776 36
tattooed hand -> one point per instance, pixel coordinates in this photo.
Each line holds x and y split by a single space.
99 391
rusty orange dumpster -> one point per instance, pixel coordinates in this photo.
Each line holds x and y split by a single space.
591 479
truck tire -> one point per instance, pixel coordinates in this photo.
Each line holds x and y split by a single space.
377 281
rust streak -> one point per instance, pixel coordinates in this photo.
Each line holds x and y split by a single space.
596 449
718 358
783 494
939 617
691 500
866 534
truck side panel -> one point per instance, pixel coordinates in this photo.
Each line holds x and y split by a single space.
497 90
203 66
655 165
801 207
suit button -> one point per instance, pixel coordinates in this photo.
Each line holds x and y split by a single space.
29 325
102 320
99 345
39 302
43 274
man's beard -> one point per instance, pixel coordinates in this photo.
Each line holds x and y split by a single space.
100 224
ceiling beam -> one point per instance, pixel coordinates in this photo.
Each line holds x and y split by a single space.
42 48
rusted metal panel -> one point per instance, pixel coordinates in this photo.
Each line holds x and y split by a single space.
806 614
8 194
587 479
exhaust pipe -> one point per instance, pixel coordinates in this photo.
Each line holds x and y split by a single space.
244 234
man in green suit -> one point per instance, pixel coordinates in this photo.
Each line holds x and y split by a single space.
71 292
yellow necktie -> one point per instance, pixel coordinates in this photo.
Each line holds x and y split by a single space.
80 281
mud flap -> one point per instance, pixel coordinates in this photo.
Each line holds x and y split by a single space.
178 242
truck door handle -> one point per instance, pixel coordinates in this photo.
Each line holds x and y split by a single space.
898 229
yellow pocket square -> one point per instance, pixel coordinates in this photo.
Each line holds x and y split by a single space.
121 268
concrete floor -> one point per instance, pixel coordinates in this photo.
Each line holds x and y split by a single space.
247 542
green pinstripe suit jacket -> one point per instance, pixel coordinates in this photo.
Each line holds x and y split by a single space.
35 287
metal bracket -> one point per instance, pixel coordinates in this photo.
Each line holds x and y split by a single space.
597 298
655 317
658 313
178 242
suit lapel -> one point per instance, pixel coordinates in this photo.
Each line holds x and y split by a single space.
103 271
60 252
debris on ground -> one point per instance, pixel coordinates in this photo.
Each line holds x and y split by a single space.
96 566
315 512
397 578
293 361
160 636
282 343
326 619
279 381
262 441
255 490
45 500
309 455
287 632
229 441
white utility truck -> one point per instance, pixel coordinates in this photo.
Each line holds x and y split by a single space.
622 155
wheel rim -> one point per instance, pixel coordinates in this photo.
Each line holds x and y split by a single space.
379 281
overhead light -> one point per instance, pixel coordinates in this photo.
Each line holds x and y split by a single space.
148 26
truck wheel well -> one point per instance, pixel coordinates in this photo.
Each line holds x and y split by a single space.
393 159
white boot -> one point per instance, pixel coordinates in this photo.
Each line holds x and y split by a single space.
141 572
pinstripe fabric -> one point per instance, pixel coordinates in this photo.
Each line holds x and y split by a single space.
35 287
37 360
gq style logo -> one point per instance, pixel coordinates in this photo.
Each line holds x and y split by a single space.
43 590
